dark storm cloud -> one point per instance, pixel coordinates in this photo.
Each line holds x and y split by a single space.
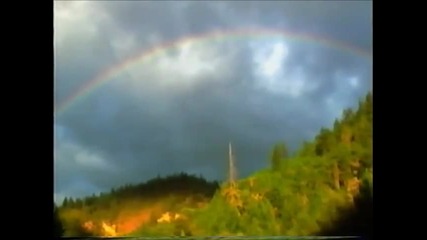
113 137
350 21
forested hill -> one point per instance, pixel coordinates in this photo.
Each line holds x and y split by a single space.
325 188
181 184
132 205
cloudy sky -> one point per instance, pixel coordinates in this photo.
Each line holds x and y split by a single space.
293 69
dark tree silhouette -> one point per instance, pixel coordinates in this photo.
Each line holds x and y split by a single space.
354 221
58 228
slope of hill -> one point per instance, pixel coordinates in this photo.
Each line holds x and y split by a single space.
301 195
319 190
123 210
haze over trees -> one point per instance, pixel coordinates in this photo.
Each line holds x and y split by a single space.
324 188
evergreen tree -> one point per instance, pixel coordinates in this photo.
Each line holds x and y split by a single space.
58 228
65 202
280 152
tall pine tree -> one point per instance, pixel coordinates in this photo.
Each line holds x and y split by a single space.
280 152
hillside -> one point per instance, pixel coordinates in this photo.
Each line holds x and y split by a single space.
322 189
122 210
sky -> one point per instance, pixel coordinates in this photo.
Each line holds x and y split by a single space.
177 110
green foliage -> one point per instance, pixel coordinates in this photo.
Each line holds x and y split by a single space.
74 228
219 217
171 193
155 230
304 194
179 184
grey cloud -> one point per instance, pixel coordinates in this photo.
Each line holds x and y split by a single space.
346 20
80 61
148 131
141 18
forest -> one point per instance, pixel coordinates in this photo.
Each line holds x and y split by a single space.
324 188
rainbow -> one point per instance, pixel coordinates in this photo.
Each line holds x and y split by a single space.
218 35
